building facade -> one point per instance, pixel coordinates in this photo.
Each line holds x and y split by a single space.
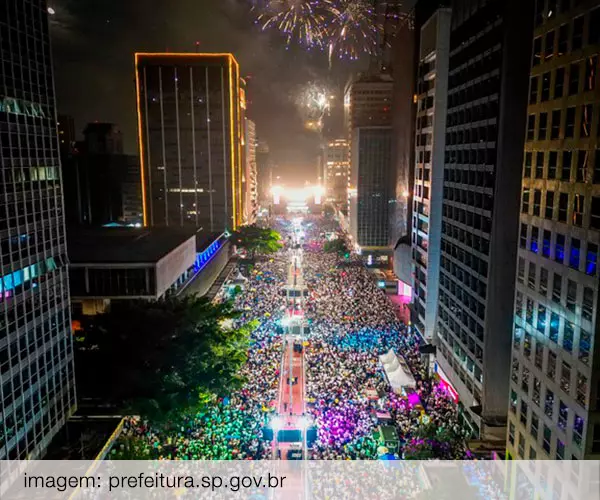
37 392
369 203
554 401
190 120
337 169
487 102
250 173
264 167
430 141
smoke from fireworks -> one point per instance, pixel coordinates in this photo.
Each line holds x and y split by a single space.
313 102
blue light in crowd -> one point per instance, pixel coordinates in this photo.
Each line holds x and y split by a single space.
534 246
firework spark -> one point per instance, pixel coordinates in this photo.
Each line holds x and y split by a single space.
313 102
354 29
301 21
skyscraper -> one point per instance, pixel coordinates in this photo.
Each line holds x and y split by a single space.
554 399
190 121
487 99
430 140
370 200
337 172
264 166
37 391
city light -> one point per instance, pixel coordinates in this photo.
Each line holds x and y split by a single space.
51 11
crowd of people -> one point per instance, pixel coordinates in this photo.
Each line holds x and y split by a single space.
351 323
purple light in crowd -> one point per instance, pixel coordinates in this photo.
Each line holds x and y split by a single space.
413 399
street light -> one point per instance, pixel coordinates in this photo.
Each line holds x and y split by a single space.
51 11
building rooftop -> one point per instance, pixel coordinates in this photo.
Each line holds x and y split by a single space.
111 245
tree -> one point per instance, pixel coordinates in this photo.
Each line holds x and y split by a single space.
336 246
163 360
255 239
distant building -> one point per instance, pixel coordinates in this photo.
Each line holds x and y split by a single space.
337 171
370 200
264 166
368 102
101 185
250 173
37 388
190 130
554 398
487 106
66 134
432 92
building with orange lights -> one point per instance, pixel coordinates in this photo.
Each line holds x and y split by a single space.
190 126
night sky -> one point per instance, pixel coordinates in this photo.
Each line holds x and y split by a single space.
94 42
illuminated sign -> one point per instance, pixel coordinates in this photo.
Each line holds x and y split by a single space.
445 383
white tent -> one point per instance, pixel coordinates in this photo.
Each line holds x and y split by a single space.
397 371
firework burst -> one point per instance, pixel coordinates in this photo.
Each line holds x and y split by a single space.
301 21
313 102
354 29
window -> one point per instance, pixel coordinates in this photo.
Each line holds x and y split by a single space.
539 162
546 86
535 424
541 318
521 267
571 295
537 202
578 203
575 253
596 439
563 39
594 35
555 125
585 129
513 402
574 79
578 430
547 437
511 433
525 380
587 306
543 281
559 83
537 51
556 288
568 335
577 34
591 259
569 123
595 213
531 275
537 387
565 377
584 346
591 63
514 373
521 446
563 207
596 178
582 389
528 163
549 403
533 90
560 449
532 453
539 355
531 127
525 204
549 52
527 341
554 327
582 164
546 243
552 164
549 204
567 157
535 236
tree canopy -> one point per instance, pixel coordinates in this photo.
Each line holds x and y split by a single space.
163 359
255 239
336 246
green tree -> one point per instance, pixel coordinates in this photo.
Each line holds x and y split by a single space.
336 246
255 239
163 360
